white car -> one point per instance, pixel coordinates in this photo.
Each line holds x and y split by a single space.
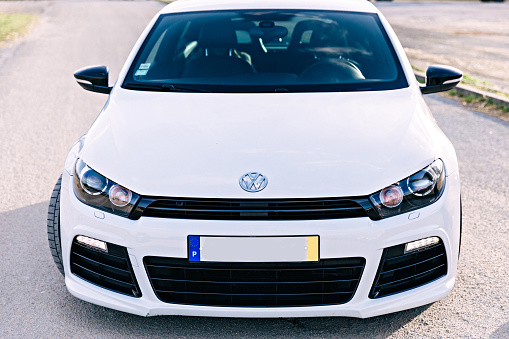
261 159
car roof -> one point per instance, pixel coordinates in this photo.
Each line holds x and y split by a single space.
208 5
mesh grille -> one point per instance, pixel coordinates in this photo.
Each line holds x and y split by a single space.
254 209
330 281
399 272
110 270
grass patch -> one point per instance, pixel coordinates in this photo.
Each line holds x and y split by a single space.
167 1
475 102
481 104
418 69
14 25
470 80
482 85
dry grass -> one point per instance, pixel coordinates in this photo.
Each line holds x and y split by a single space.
480 104
14 25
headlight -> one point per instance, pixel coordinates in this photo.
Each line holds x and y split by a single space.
95 190
418 190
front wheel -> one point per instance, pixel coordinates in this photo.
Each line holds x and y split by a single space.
53 226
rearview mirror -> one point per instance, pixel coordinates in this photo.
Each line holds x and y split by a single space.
93 78
441 78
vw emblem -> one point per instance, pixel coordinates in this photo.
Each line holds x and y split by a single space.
253 182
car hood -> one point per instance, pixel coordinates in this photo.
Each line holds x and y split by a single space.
306 144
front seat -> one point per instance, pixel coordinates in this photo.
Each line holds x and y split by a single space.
218 41
325 40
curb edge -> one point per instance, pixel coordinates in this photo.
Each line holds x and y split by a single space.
468 90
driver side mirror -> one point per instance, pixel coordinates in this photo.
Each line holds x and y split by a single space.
94 79
441 78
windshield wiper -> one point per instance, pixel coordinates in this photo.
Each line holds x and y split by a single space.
161 88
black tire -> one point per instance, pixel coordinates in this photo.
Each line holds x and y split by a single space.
54 227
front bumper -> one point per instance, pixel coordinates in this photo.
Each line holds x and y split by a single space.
339 238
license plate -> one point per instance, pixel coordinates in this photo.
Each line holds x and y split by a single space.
253 249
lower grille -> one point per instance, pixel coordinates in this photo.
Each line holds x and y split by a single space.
328 282
401 271
111 270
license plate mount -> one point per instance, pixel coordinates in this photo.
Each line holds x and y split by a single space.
253 248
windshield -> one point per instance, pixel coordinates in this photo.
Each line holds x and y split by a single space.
266 51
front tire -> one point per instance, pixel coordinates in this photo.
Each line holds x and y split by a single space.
53 226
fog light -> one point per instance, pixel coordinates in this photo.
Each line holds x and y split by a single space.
92 243
421 244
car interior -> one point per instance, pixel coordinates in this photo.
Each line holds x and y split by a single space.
292 49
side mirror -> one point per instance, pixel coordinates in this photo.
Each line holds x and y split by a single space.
93 78
441 78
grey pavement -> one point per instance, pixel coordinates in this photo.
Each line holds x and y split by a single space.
471 36
43 111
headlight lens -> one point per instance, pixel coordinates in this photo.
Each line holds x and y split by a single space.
418 190
120 196
97 191
92 182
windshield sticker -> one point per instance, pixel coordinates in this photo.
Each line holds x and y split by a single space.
143 69
145 66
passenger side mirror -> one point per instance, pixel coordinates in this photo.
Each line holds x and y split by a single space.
93 78
441 78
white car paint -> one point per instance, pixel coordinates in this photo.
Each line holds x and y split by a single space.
307 144
338 238
204 140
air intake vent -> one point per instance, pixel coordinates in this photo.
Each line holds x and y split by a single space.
254 209
401 271
111 270
328 282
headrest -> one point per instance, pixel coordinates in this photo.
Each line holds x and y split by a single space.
323 34
328 35
218 34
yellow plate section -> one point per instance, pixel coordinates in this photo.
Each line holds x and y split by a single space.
312 245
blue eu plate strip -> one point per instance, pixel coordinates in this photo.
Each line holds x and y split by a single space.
194 248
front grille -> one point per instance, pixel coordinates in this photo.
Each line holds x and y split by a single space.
328 282
254 209
400 272
110 270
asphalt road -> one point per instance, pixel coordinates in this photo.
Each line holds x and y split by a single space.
43 111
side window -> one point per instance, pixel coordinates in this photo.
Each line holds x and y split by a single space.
190 48
155 49
146 62
243 37
306 37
